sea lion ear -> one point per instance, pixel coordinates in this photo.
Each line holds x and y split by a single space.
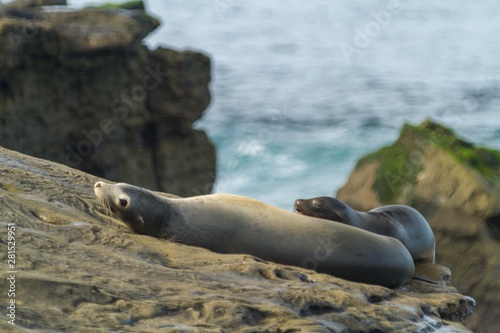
315 203
141 220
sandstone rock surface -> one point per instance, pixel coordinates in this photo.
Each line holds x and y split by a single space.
456 186
80 270
79 88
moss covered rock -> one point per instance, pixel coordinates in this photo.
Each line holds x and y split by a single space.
130 5
429 164
456 186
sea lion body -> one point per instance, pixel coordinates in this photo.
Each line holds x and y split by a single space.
398 221
234 224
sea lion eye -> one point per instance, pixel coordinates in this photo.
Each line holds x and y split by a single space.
123 203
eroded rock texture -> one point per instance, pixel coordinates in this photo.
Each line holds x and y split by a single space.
79 88
80 270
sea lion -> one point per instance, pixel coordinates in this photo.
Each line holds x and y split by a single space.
398 221
226 223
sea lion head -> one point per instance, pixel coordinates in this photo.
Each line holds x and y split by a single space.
323 207
143 211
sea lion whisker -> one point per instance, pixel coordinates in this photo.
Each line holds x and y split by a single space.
107 207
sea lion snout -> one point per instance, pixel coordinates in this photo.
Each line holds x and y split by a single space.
299 206
98 187
323 208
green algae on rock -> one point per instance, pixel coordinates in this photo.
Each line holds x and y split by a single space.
130 5
393 171
483 160
403 167
456 186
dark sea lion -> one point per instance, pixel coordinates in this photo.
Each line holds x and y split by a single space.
398 221
227 223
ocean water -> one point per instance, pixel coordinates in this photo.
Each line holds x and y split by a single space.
302 90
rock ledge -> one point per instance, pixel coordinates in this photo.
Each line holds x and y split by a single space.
81 270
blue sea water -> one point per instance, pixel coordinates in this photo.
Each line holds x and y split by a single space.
301 90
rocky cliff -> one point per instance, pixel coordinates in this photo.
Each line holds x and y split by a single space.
77 269
79 88
456 186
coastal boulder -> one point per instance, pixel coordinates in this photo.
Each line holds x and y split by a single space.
80 88
78 269
456 186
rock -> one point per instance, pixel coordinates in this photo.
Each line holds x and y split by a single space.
93 30
80 270
78 87
456 187
129 5
18 4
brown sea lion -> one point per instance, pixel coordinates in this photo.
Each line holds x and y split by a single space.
234 224
404 223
